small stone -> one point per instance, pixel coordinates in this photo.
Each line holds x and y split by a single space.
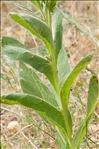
13 126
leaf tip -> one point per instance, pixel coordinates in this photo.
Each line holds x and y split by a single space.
89 57
94 79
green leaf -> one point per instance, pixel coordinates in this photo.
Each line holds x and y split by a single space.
31 84
72 77
60 142
11 41
63 66
36 3
24 8
21 53
36 27
65 90
79 135
42 51
45 110
52 4
93 95
57 31
60 139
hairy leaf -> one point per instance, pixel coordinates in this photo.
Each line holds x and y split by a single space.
45 110
31 84
57 31
24 8
20 53
63 66
36 27
11 41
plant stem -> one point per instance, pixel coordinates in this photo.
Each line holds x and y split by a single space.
54 67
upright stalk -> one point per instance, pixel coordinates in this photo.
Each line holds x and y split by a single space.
54 67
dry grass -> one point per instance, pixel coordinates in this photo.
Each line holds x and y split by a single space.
33 132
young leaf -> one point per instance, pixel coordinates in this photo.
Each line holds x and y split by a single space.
23 54
31 84
93 95
63 66
45 110
71 78
52 4
66 90
36 27
57 31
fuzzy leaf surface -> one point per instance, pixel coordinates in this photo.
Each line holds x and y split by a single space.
31 84
17 52
57 31
63 66
45 110
36 26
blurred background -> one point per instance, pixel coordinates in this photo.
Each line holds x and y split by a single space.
22 128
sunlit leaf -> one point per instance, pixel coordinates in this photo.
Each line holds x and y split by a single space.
72 77
36 27
65 90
